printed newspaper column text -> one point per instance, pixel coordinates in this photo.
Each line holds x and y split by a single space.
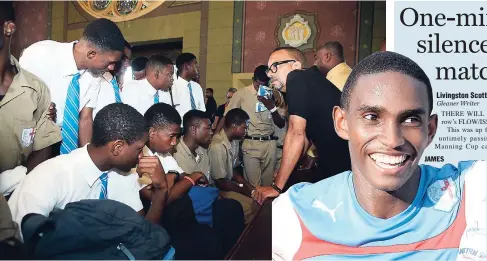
465 122
449 43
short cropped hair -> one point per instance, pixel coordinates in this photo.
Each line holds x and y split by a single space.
236 117
335 48
182 59
380 62
138 63
260 73
193 118
232 90
158 62
209 89
105 35
118 121
7 12
295 53
161 116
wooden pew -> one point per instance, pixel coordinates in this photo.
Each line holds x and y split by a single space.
255 243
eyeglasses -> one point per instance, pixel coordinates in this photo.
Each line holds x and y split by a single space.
273 67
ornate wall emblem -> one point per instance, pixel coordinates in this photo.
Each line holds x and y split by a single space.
297 30
118 11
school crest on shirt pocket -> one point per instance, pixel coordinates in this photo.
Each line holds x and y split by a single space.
27 136
444 195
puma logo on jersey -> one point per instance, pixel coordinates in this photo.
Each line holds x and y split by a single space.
320 205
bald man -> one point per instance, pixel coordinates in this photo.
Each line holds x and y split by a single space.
311 98
330 59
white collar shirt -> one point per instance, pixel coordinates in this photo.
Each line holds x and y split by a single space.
182 98
140 95
106 95
167 161
54 64
69 178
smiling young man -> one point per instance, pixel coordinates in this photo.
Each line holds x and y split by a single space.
388 207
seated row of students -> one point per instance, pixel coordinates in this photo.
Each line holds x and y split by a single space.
218 161
104 169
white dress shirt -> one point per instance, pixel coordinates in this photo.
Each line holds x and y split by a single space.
106 95
140 95
168 163
69 178
54 64
180 92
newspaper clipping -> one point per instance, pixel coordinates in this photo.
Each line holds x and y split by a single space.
448 41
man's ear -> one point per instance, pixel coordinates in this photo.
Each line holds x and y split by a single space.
193 130
117 147
328 57
297 65
156 74
152 132
340 122
187 67
432 127
91 54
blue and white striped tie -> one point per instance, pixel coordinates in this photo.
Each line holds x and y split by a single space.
191 98
156 97
116 89
70 127
104 185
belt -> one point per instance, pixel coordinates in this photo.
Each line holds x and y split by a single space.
261 138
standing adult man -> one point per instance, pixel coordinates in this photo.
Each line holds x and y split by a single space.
187 94
259 146
330 59
26 130
142 94
221 109
311 98
67 69
210 103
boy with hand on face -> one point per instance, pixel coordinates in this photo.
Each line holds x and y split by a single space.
387 207
95 171
179 219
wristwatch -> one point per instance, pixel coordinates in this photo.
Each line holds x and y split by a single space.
178 175
276 188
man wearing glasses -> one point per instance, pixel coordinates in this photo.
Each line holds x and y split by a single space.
260 144
310 98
